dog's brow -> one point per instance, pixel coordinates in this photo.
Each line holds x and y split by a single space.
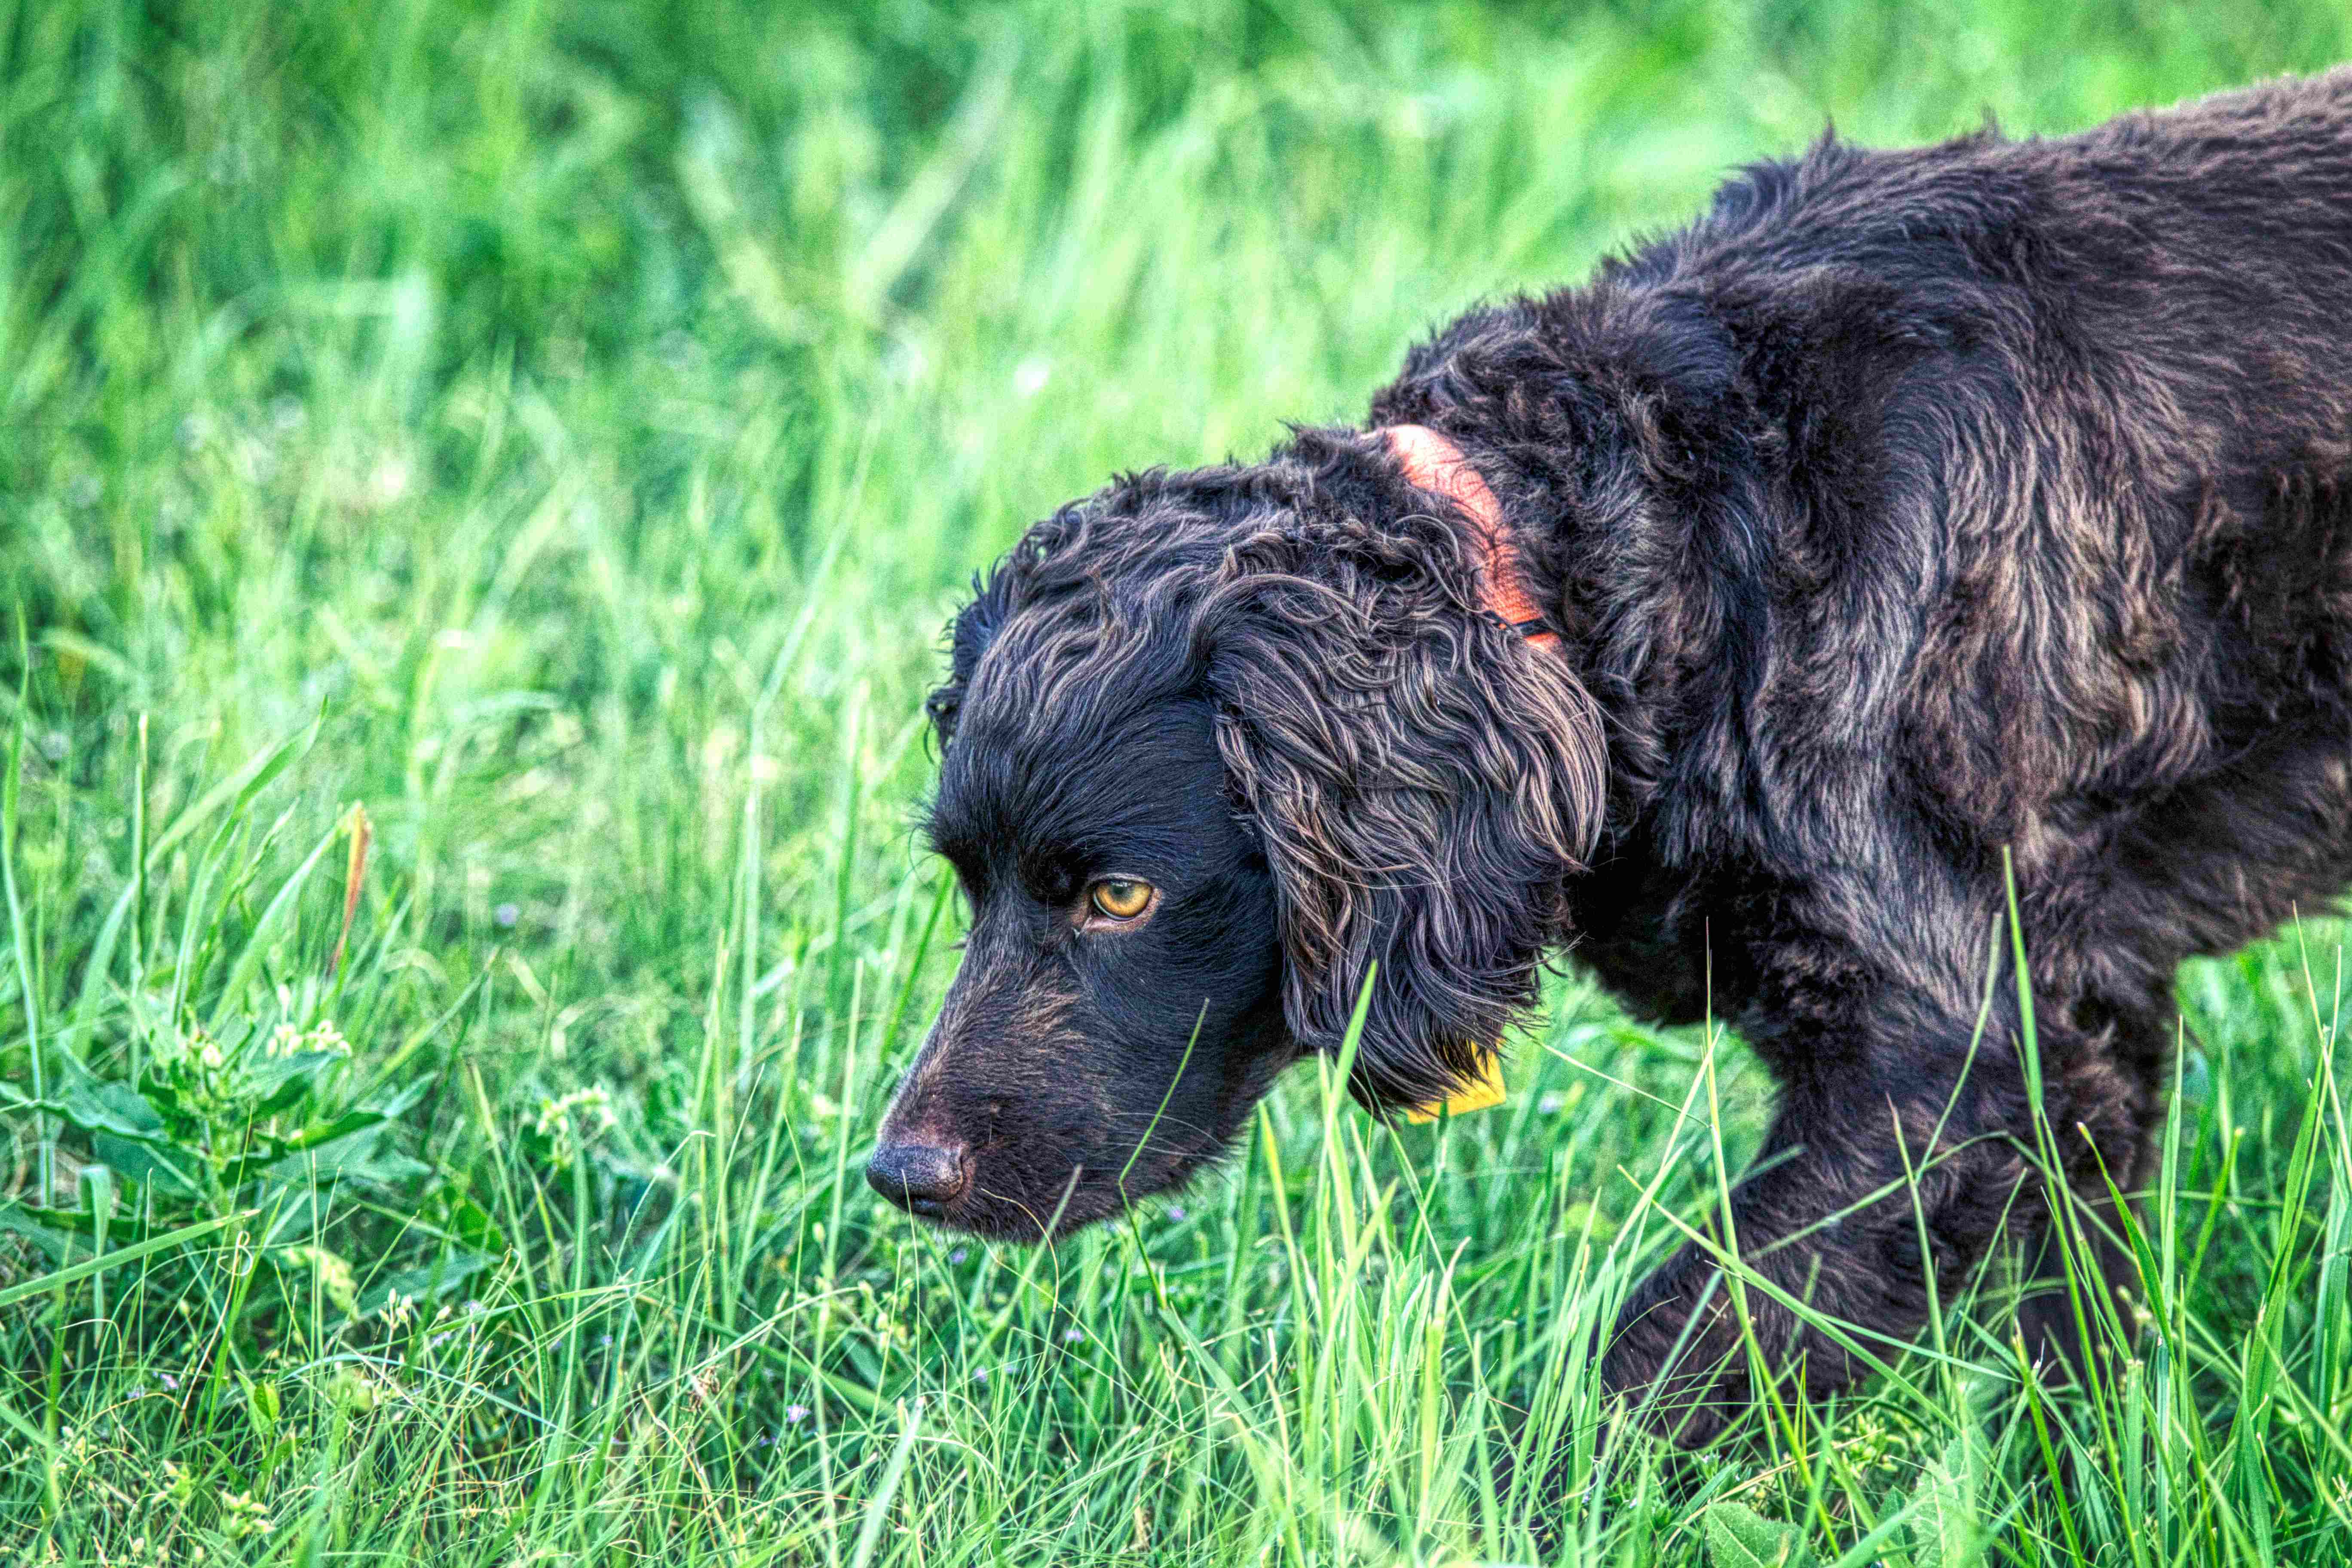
956 850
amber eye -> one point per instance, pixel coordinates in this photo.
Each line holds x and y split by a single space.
1120 898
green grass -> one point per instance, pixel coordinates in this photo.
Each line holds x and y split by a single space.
562 432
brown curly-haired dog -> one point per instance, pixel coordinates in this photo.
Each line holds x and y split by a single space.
1907 508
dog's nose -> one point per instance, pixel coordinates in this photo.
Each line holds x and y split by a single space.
922 1178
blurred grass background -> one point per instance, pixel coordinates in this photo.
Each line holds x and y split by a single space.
561 431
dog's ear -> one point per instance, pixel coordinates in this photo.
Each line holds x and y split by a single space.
1423 781
969 635
1048 561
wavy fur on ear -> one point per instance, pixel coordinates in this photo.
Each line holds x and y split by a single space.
1425 781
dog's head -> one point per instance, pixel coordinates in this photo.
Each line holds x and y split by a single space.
1213 746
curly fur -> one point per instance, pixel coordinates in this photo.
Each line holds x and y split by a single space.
1908 511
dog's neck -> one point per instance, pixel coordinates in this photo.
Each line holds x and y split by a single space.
1436 464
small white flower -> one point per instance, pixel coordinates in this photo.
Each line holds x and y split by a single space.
390 480
595 1102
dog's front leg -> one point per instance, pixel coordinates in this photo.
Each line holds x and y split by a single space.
1888 1175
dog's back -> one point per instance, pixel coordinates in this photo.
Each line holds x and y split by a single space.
2063 556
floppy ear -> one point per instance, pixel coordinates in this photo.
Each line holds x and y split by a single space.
969 635
1423 781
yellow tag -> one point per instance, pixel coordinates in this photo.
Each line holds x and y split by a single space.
1480 1093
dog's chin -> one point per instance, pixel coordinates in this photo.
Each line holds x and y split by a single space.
1056 1214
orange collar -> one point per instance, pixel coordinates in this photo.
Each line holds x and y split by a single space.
1434 463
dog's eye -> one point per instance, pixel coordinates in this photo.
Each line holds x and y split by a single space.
1120 898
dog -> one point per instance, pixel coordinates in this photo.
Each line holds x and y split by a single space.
1914 532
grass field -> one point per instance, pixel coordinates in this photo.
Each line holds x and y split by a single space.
480 488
